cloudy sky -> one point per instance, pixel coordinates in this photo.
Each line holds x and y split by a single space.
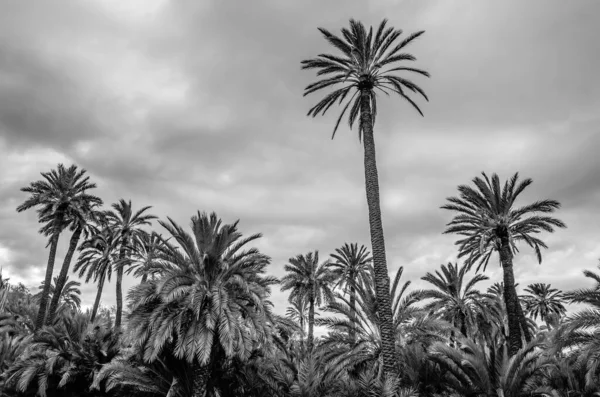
197 105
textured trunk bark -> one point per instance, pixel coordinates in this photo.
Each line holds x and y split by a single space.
39 322
311 322
62 277
144 278
382 279
98 295
463 324
201 373
511 299
353 317
122 255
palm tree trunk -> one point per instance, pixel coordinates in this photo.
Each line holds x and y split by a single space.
353 312
62 277
98 295
201 373
382 279
311 322
144 278
463 324
39 322
511 299
119 282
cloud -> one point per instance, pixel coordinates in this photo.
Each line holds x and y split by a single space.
191 106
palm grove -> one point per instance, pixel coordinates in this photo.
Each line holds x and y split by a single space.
200 322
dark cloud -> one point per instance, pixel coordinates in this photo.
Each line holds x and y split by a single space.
191 106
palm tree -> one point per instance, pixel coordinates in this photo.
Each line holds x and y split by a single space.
544 302
210 298
63 359
351 266
455 302
145 255
126 223
472 370
588 318
364 67
56 195
411 324
298 311
68 297
82 219
309 280
490 223
99 254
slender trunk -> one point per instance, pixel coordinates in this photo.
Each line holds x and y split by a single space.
122 255
201 373
463 324
353 312
311 321
39 322
144 278
511 299
62 277
382 279
98 295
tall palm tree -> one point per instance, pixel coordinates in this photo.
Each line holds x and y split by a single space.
99 255
308 279
368 64
490 223
351 265
544 302
82 221
210 296
127 224
60 190
455 299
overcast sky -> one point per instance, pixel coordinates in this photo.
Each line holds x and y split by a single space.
197 105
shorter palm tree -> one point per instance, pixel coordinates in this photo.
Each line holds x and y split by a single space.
472 370
544 302
99 255
455 300
298 311
489 223
210 299
351 266
69 297
63 359
145 256
127 224
309 280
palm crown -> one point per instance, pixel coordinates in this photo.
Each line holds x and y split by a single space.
62 191
362 70
455 298
543 301
486 215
